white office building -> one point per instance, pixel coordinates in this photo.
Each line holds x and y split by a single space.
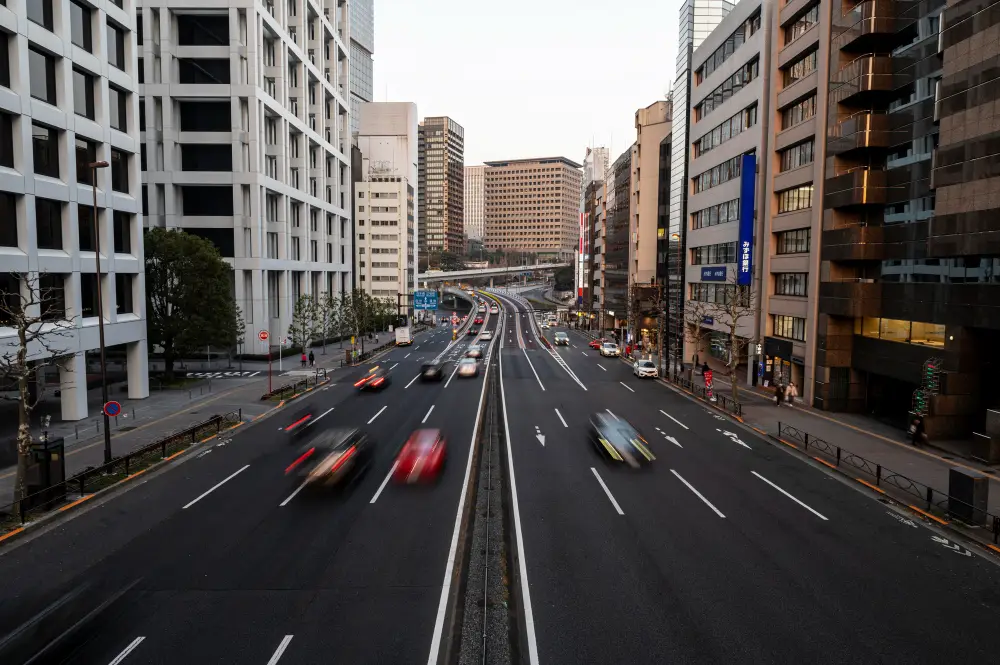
67 99
246 138
385 201
475 202
362 66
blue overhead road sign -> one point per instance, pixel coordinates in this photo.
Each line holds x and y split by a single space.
425 300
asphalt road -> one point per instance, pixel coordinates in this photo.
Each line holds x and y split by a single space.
725 549
229 561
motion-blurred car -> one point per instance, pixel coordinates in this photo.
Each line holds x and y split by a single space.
544 324
596 343
422 457
377 379
474 351
562 339
619 441
486 336
333 457
473 331
432 371
610 350
478 320
300 424
494 310
468 367
644 369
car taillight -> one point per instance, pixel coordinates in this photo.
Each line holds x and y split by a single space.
343 459
378 382
298 422
300 460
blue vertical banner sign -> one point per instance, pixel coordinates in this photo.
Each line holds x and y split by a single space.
748 191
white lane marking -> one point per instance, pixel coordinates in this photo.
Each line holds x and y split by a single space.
674 419
626 385
673 441
573 345
308 424
205 453
539 435
453 372
394 367
385 482
280 650
698 494
601 366
817 514
378 414
406 356
734 437
532 369
432 657
292 495
411 381
120 657
608 492
612 415
563 420
428 415
215 487
584 352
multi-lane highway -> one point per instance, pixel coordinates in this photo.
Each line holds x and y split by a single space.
725 549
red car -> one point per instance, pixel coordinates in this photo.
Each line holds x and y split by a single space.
596 343
422 457
478 320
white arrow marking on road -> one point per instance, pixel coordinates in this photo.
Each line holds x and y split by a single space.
902 519
280 650
624 384
120 657
561 418
673 441
734 437
539 435
954 547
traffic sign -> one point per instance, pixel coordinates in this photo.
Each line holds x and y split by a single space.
425 300
112 408
262 335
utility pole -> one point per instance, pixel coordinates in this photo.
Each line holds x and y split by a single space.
100 313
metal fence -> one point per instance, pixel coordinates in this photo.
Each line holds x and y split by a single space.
717 398
295 387
931 500
93 479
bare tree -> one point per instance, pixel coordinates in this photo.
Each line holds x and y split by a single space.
695 313
37 315
735 311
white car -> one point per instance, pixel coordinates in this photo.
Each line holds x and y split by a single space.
486 336
644 369
474 351
545 325
610 350
468 367
494 310
482 309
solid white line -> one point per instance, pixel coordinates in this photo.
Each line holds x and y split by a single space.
385 482
533 369
602 366
626 385
449 568
674 419
411 381
612 415
120 657
216 487
561 418
378 414
453 372
280 650
698 494
428 415
292 495
817 514
320 416
608 492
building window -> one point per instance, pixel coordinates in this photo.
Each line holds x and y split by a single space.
719 174
895 330
4 59
42 72
118 107
802 24
48 222
801 68
123 232
795 241
52 291
272 245
89 306
86 154
123 293
85 228
727 89
7 140
791 284
708 254
796 198
722 213
203 70
8 220
45 147
119 171
732 43
728 129
40 12
720 294
798 112
80 23
83 94
797 155
790 327
116 46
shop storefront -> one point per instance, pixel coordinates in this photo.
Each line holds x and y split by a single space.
779 364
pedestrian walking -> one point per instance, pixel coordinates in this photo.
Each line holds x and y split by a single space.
704 368
303 358
918 436
779 394
312 359
791 393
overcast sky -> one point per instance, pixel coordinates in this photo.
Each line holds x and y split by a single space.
527 78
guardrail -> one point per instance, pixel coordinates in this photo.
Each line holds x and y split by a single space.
728 404
933 500
295 387
93 479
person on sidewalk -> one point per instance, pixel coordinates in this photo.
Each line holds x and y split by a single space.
779 393
791 393
312 359
918 436
704 368
303 358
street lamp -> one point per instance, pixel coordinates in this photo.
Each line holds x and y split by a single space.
100 312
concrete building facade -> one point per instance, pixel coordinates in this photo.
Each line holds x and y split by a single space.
385 258
475 202
532 205
441 174
68 97
362 45
246 142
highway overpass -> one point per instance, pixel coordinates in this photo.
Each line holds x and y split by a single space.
450 275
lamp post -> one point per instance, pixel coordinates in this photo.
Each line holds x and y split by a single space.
100 311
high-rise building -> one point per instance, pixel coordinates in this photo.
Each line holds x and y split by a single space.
362 76
69 99
385 241
595 165
246 137
441 187
475 202
697 20
594 212
618 197
533 206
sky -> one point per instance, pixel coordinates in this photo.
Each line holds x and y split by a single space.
524 78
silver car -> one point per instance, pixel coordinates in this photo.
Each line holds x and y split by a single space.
474 351
644 369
